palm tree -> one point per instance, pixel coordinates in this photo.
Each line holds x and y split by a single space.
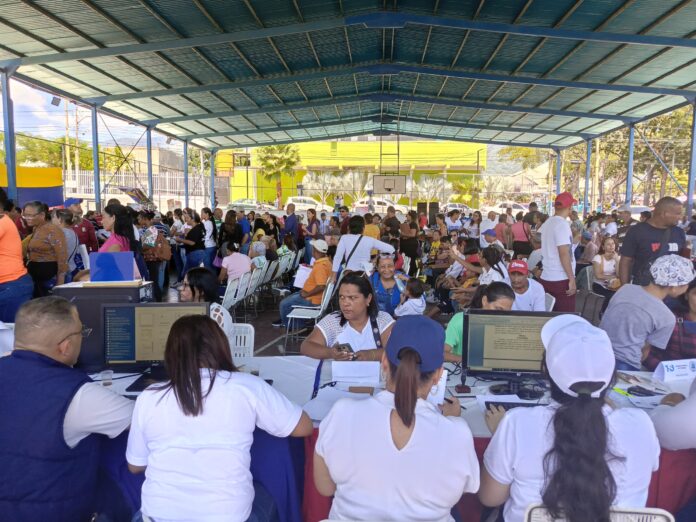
275 161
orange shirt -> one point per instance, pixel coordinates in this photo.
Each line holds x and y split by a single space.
321 271
11 263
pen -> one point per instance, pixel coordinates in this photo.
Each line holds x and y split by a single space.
450 401
622 392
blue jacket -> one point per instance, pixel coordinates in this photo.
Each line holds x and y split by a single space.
41 477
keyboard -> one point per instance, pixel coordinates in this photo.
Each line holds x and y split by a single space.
508 405
155 375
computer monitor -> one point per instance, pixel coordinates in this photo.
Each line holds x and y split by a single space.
137 332
503 346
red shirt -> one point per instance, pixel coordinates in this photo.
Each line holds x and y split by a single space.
86 235
344 225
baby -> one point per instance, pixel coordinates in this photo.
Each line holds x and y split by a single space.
412 300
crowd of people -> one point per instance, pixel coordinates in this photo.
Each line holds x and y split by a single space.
192 434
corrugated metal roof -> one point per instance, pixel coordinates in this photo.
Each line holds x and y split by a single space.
225 73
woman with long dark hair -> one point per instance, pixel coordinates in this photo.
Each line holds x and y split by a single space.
311 233
474 227
193 433
210 239
578 456
359 323
409 240
66 220
230 231
200 286
382 457
194 240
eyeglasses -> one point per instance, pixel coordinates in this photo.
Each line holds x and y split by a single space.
27 215
84 332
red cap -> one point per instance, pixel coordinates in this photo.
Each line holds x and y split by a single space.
518 265
565 200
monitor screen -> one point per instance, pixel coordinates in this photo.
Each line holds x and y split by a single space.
506 342
138 332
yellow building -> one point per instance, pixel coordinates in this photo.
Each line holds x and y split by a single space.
327 168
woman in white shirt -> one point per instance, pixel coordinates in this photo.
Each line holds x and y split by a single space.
382 458
492 266
210 240
192 435
200 286
359 323
356 257
576 455
605 267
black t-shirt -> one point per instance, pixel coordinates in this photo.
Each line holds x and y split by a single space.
645 243
197 235
393 226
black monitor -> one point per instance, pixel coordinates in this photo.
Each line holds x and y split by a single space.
137 332
503 346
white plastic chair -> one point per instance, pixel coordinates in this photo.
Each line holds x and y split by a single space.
308 313
230 291
240 293
242 340
539 513
550 302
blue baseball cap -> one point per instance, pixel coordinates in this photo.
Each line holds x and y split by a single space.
489 232
72 201
422 334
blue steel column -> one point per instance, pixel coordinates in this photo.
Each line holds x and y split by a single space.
186 180
558 171
8 127
588 169
95 158
629 170
692 166
150 184
212 179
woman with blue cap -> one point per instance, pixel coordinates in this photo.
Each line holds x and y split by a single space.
384 458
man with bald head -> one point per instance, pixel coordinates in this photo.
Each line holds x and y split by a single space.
646 241
51 416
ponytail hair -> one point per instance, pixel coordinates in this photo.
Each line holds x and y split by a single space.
579 483
407 378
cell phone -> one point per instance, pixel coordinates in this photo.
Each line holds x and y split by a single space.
639 391
345 347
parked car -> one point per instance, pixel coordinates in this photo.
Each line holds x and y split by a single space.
379 205
247 204
304 203
501 207
461 207
636 210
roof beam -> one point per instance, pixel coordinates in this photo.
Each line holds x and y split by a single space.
376 131
391 69
415 121
397 20
179 43
388 98
376 20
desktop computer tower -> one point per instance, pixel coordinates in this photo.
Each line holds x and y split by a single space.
89 301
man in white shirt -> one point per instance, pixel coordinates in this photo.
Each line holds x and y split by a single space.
558 273
491 239
529 294
50 416
487 224
324 224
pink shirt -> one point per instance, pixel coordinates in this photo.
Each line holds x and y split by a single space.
518 231
236 264
115 239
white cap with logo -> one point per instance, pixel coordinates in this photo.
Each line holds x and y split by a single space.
579 356
321 245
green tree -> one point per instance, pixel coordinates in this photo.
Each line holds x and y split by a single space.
276 161
527 157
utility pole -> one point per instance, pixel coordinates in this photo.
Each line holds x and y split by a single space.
66 151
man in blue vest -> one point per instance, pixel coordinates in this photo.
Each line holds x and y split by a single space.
51 418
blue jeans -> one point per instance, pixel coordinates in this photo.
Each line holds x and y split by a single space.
14 294
179 256
263 508
194 259
687 513
622 366
209 257
286 306
308 251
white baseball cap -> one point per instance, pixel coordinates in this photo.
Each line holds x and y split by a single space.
577 352
321 245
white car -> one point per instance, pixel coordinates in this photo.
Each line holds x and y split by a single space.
501 207
304 203
247 204
379 206
461 207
